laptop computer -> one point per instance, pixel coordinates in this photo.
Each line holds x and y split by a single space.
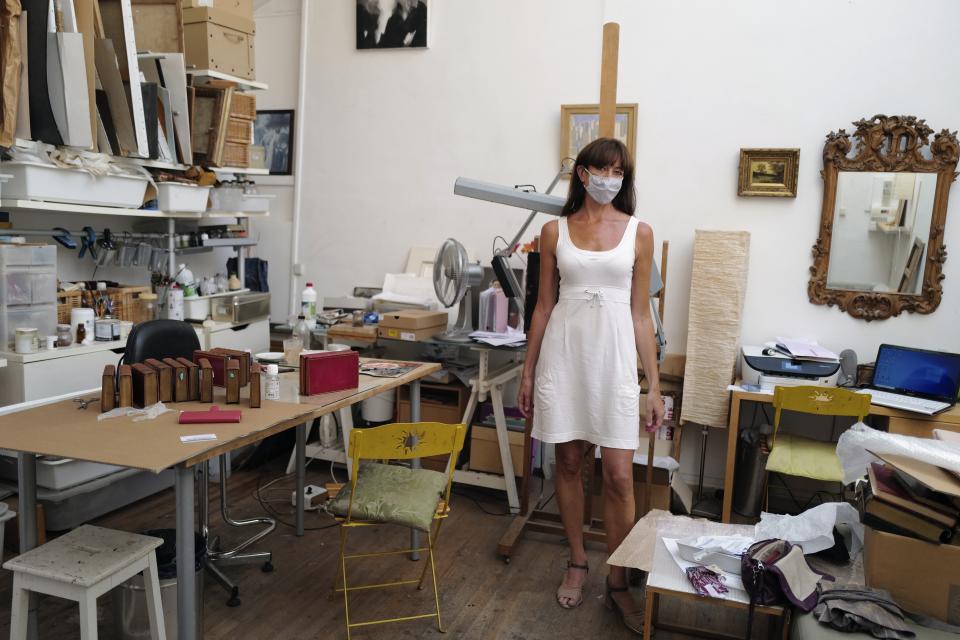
915 380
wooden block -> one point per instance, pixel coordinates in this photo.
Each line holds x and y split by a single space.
181 382
206 380
255 386
108 396
125 386
146 390
243 357
233 382
164 378
193 377
218 362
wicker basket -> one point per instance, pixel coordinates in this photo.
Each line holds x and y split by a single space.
243 106
239 130
126 303
66 301
236 155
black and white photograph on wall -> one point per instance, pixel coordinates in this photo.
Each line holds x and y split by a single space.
391 24
273 131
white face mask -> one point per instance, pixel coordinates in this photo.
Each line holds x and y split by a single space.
603 189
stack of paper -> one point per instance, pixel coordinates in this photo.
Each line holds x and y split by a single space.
804 349
509 338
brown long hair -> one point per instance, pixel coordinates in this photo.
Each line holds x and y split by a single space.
601 153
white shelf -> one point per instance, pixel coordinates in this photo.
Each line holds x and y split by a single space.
63 352
154 164
249 171
63 207
242 83
230 242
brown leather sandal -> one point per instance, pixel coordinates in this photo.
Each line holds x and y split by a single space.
632 620
571 593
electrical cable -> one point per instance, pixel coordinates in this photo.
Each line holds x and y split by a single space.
276 515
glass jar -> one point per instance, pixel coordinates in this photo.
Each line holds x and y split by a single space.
64 335
26 340
148 302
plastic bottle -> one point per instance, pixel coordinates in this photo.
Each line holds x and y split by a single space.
175 303
308 305
302 331
271 386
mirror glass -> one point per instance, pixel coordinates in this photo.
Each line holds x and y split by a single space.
881 226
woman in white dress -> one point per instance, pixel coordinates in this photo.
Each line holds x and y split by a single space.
580 377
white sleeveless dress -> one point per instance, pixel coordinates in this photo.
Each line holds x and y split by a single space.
586 379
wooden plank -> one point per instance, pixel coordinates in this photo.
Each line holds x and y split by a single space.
608 78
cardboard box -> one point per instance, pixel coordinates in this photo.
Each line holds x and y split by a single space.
218 40
242 8
921 577
411 335
485 450
414 319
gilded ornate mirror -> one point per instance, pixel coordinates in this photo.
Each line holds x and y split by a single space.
880 251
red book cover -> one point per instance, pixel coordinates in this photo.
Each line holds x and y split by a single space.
214 415
329 371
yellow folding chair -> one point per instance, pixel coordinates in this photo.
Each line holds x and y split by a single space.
384 493
794 455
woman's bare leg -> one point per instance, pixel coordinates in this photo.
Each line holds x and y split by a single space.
570 500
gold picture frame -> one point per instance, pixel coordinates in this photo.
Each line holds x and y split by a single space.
580 123
768 172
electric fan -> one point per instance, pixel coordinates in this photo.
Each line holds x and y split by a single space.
453 275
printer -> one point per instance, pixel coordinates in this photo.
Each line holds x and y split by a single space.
768 368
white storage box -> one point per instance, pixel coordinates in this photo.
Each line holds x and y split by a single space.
28 256
57 473
196 308
42 317
234 198
188 198
38 181
3 178
28 286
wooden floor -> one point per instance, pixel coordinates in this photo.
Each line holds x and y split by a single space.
481 596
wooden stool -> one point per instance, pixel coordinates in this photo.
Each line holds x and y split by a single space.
83 565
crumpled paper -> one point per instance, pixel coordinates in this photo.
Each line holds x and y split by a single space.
147 413
812 530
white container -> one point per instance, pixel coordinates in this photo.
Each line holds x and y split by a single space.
27 340
85 317
175 303
379 408
57 473
185 198
3 178
196 308
235 198
38 181
41 316
308 305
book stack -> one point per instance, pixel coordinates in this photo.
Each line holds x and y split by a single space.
912 498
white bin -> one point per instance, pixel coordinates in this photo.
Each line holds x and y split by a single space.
236 199
379 408
38 181
182 198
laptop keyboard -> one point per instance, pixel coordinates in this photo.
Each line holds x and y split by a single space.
907 403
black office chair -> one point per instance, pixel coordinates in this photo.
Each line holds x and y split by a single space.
177 339
161 339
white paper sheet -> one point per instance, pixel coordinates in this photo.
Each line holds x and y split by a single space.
813 529
731 580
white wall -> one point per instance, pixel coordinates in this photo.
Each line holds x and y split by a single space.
387 132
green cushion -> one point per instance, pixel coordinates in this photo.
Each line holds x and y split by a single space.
393 494
796 456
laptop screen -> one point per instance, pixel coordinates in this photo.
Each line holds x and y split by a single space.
932 374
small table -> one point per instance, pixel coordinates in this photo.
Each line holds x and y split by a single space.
667 579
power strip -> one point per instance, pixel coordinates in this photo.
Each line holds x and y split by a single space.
313 497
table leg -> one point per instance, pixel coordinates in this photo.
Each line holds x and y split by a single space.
27 486
648 611
186 581
506 457
733 429
301 471
415 463
346 426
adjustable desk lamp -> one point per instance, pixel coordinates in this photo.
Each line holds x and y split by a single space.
553 205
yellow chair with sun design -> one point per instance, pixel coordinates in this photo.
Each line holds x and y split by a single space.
383 493
794 455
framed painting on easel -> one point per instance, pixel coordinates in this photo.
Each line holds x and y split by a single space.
580 125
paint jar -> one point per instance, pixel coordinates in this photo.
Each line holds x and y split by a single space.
26 340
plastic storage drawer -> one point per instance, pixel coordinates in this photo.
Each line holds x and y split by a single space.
28 287
12 255
42 317
38 181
